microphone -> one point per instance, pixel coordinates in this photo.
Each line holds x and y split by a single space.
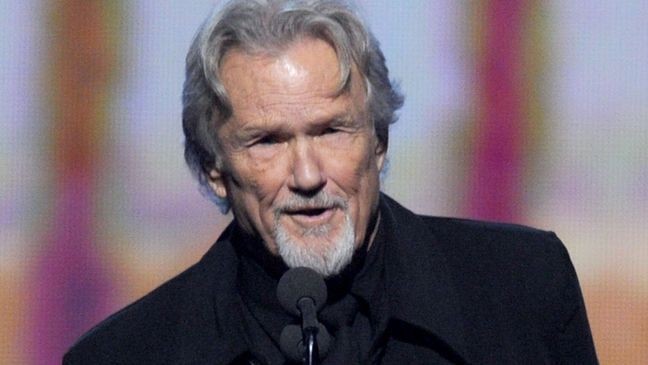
302 293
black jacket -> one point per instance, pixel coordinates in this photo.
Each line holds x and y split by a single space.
459 291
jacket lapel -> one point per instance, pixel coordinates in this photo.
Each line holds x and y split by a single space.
216 310
419 284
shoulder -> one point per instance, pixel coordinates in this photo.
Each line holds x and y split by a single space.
505 256
517 271
500 241
146 330
519 281
468 238
514 286
492 259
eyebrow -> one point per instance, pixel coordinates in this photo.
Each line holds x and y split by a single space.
251 129
345 119
245 134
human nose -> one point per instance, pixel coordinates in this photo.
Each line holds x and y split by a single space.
307 173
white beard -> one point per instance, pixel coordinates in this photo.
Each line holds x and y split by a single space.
326 261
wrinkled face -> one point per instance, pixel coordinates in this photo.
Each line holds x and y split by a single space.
301 161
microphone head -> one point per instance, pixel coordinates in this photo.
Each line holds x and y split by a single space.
298 283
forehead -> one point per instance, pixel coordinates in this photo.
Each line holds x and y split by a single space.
303 76
305 65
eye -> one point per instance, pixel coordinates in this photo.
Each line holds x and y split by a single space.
269 139
266 140
330 130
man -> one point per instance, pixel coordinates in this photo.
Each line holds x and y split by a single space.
286 112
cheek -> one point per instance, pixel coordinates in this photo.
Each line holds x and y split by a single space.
253 188
356 174
257 180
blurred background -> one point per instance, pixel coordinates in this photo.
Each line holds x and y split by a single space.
529 111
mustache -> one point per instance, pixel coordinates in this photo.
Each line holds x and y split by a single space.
321 200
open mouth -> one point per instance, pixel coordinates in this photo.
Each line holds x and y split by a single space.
309 212
310 215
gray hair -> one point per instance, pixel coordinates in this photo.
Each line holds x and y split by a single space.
268 27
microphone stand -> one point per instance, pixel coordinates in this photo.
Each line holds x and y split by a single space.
310 330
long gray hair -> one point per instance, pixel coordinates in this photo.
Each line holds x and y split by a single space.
267 27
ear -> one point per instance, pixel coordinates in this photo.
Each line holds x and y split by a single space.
381 152
217 183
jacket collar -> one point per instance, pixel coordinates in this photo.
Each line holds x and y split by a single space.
418 280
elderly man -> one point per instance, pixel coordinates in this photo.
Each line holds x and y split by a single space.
287 106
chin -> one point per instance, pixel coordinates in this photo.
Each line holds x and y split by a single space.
331 256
